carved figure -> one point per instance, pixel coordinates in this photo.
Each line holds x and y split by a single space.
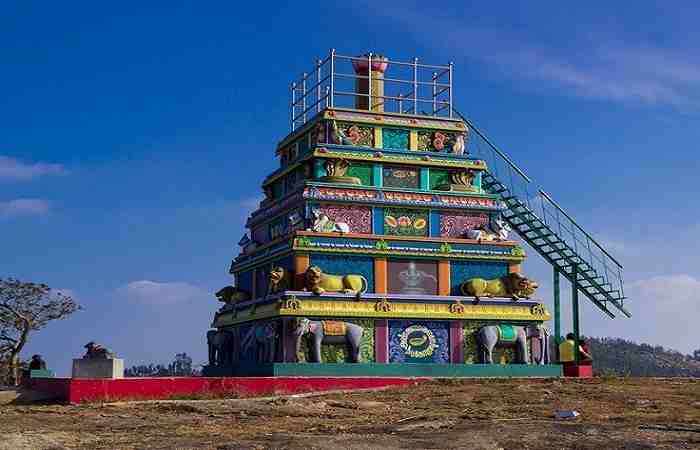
296 221
318 282
513 285
264 338
498 232
323 224
458 147
319 134
329 332
231 295
96 351
339 137
490 336
220 343
278 280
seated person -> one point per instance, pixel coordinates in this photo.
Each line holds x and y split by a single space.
566 352
37 363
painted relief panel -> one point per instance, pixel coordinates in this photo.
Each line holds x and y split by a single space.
405 222
501 355
277 227
361 171
400 177
412 277
419 342
460 271
438 141
358 218
455 225
244 281
346 265
338 353
395 138
438 178
351 134
260 234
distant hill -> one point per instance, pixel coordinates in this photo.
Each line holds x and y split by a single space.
615 356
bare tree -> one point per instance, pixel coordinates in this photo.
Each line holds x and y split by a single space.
27 307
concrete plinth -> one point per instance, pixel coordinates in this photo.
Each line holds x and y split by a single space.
98 368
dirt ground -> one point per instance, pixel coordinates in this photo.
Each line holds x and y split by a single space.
471 414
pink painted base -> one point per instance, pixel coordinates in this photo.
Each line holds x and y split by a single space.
578 371
100 390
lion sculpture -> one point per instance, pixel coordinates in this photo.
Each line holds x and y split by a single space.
513 285
230 295
318 282
278 280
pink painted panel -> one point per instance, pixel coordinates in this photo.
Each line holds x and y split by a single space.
456 340
358 218
456 224
381 341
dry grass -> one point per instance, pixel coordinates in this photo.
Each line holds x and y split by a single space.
474 414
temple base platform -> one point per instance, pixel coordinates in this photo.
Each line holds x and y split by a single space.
574 371
387 370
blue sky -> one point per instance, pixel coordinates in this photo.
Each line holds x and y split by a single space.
134 139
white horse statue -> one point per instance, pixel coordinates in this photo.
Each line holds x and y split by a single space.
323 224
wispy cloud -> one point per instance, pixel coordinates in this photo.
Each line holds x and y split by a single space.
24 207
597 67
14 169
156 293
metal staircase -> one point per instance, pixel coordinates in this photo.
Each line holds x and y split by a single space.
548 229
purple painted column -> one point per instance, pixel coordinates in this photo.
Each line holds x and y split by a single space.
381 341
456 342
288 341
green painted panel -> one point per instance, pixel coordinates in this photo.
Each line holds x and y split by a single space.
438 177
395 138
361 171
405 222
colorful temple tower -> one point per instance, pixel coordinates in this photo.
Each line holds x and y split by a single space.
385 242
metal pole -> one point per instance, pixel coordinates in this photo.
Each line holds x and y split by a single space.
328 89
450 91
434 92
574 304
400 103
303 95
557 308
415 85
318 85
294 102
369 81
332 76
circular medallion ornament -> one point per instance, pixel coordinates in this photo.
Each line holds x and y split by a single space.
418 341
538 310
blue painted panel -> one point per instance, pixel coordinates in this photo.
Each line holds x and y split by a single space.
377 220
244 281
461 271
344 265
419 342
434 224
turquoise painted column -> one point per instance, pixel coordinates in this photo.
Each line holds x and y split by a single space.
557 307
574 305
424 178
319 168
377 175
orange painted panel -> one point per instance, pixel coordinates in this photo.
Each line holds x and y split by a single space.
380 280
443 277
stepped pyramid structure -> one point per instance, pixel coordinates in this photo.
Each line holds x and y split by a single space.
385 242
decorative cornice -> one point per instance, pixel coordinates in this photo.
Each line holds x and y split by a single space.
380 156
317 191
385 306
394 119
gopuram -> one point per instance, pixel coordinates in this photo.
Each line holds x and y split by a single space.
385 244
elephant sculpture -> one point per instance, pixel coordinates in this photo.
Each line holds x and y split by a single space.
329 332
264 339
220 344
515 336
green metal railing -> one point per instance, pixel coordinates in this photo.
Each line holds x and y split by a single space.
547 228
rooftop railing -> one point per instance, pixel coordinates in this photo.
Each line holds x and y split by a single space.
340 81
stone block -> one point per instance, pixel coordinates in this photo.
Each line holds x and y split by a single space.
98 368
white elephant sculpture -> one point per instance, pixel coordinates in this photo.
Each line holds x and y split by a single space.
329 332
490 336
220 343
